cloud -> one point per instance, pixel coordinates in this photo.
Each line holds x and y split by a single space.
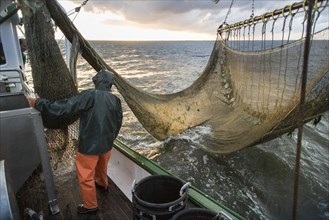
189 15
194 16
198 16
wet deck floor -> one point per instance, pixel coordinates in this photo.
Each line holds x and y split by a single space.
112 204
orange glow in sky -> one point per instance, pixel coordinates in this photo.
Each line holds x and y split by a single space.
128 20
94 26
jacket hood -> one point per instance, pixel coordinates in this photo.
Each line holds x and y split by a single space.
103 80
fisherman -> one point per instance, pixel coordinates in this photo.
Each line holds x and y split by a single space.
100 122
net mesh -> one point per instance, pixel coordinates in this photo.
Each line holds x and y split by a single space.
51 79
260 91
248 93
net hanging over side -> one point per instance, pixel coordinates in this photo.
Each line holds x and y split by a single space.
249 91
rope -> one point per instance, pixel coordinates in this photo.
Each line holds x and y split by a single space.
287 51
319 12
262 63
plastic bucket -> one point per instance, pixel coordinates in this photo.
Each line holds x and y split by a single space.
199 214
158 197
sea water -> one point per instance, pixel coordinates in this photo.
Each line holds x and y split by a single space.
256 182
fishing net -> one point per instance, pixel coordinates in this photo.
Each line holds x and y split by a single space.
248 93
245 97
258 92
51 78
250 89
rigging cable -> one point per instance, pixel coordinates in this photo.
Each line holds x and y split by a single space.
74 10
228 12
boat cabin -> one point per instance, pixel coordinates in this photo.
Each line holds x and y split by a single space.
13 83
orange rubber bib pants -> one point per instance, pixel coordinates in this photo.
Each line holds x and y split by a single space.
91 168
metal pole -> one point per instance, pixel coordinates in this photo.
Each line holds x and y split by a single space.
301 106
46 168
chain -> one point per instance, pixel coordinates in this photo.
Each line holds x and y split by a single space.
252 9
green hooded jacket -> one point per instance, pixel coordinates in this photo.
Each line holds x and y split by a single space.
100 114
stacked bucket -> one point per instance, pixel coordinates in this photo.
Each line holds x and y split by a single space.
163 197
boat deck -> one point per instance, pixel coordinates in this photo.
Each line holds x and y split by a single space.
112 204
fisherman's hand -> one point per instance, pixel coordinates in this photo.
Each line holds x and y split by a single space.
31 98
31 101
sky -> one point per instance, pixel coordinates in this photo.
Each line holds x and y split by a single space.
161 19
